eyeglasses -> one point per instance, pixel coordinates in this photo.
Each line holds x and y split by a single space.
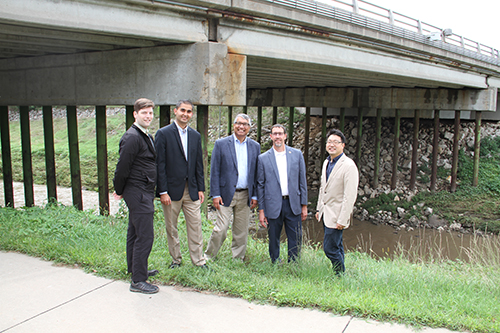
278 134
333 142
239 123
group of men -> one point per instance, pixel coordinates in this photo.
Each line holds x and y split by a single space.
241 179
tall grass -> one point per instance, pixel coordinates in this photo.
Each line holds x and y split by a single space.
439 293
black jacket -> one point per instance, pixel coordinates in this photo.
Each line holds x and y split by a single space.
173 169
136 166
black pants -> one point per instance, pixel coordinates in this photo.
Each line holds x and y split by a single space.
140 234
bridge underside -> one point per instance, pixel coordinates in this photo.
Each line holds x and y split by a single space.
241 53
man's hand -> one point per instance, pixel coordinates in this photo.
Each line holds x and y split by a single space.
262 219
304 212
218 202
253 204
339 227
165 199
317 216
116 196
202 196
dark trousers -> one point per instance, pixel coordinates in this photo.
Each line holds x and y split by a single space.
334 249
293 230
140 233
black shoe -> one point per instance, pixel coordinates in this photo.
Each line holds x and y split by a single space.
277 262
206 268
143 287
174 265
152 272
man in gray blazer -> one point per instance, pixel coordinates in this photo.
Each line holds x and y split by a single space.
232 187
337 196
282 194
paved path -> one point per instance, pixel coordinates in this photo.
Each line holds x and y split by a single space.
38 296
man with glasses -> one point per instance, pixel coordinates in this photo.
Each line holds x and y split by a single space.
337 196
181 182
282 194
232 187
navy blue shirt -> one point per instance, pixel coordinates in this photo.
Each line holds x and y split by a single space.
331 164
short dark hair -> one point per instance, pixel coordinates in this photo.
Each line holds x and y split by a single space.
143 103
184 101
336 132
278 126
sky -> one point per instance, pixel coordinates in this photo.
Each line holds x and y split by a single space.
477 20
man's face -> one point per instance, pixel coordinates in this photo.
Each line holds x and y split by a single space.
241 127
278 136
334 145
183 114
144 116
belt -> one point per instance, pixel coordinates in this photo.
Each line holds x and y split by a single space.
241 189
285 197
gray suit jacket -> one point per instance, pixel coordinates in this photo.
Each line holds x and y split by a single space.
268 182
224 169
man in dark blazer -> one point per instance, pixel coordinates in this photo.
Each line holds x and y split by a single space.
135 181
181 182
282 194
232 187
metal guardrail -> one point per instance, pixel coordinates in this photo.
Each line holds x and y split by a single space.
366 14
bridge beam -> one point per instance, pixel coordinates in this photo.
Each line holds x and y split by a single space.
204 73
379 98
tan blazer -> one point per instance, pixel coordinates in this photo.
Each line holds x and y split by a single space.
337 196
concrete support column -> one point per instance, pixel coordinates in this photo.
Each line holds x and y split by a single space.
359 135
102 159
342 120
477 148
29 197
164 115
378 139
50 161
291 111
454 165
202 127
306 136
323 134
259 123
397 133
6 156
229 120
74 156
129 116
414 152
435 148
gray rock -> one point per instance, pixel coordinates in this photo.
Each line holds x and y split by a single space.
436 222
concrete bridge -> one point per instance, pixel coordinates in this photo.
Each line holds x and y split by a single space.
345 59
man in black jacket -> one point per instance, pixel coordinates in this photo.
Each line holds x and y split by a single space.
134 181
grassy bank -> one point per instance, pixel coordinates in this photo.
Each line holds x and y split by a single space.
456 295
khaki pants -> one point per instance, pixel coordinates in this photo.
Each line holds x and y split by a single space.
192 215
241 215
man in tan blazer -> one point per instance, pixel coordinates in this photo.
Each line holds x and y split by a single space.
337 195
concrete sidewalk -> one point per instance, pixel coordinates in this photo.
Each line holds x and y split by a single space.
36 296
